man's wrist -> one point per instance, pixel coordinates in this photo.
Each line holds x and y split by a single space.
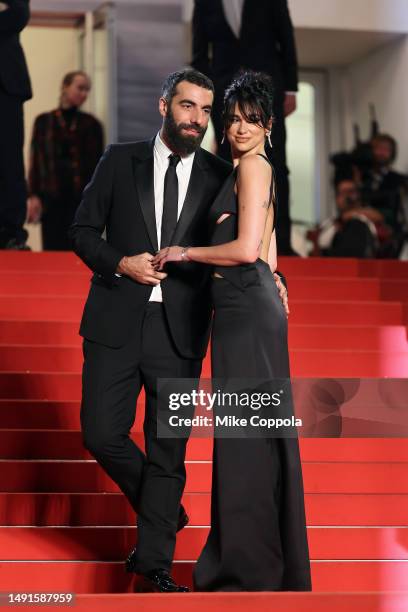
122 266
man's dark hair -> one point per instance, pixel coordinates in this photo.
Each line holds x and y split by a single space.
187 74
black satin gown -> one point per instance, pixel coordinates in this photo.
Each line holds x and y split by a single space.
258 539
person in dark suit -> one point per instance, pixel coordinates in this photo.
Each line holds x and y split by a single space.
385 192
15 89
229 35
138 324
65 147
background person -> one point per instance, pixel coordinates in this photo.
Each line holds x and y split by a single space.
65 148
232 34
385 192
15 89
353 231
382 191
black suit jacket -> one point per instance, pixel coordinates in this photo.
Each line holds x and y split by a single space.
120 197
14 77
266 41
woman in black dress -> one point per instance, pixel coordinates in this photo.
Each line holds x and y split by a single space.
65 148
257 540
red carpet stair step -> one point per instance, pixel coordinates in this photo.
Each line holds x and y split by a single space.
305 362
363 338
319 477
65 526
86 509
109 577
113 543
303 311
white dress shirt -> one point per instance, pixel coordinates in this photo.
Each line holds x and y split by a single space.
183 170
233 14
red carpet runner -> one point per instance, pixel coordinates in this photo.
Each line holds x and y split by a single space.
65 527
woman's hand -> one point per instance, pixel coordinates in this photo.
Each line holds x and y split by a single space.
282 293
173 253
34 209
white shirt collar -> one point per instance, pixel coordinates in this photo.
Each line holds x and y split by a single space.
233 10
163 151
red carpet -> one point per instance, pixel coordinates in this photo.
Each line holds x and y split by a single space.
65 527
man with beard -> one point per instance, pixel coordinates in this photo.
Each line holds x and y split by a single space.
138 324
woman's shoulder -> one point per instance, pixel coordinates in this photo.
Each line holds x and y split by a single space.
254 161
254 166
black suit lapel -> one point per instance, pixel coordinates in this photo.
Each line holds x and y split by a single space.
143 169
194 197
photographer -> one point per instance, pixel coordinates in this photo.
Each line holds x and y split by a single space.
381 189
384 192
353 231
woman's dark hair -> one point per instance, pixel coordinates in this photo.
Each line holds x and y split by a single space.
253 92
169 87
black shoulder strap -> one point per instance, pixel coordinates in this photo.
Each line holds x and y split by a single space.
265 158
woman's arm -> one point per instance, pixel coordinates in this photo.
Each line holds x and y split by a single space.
272 253
253 189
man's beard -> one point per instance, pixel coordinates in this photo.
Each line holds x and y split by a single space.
182 143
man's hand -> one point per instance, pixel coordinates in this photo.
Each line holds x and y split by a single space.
140 269
289 104
34 209
3 6
282 293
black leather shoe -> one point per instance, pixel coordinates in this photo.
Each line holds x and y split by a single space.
182 522
160 581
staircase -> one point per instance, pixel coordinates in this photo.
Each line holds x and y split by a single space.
65 527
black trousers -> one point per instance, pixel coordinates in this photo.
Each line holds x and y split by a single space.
152 482
277 155
56 221
13 191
